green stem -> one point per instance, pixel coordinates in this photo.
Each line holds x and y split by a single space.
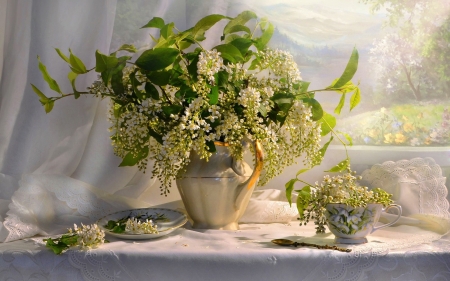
338 137
81 93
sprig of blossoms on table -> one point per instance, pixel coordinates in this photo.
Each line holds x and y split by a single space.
135 226
178 97
85 237
343 189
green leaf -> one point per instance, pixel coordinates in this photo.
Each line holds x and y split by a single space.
304 196
347 137
239 20
301 171
282 98
76 64
172 109
263 110
130 159
323 150
242 44
69 239
229 52
104 62
57 248
316 108
327 123
341 166
155 135
164 43
254 64
151 91
355 98
117 79
62 55
339 107
46 102
42 98
110 225
72 76
198 32
127 47
155 22
49 106
230 38
167 30
50 81
210 146
239 28
304 87
135 84
289 188
262 41
223 79
214 93
192 67
185 39
119 228
160 78
349 71
156 59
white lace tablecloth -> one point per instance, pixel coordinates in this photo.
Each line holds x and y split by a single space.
394 253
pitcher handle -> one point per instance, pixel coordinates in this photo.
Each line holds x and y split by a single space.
259 162
399 214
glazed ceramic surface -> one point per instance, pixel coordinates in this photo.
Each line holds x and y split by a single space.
351 225
215 193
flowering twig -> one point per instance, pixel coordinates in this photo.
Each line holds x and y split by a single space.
85 237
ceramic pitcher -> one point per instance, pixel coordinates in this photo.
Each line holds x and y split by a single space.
215 193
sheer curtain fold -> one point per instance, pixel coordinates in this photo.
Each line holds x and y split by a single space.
32 142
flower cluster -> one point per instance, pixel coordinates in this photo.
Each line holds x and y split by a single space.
88 236
342 188
135 226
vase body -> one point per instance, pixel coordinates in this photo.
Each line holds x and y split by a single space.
215 193
351 225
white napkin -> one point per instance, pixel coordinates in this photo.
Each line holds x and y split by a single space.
268 206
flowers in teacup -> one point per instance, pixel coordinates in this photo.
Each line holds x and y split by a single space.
342 189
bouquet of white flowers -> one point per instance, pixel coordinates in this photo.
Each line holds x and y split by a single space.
178 97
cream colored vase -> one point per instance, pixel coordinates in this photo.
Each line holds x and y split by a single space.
215 193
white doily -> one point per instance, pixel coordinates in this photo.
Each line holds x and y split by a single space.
416 184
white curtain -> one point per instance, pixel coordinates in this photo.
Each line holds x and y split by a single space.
59 168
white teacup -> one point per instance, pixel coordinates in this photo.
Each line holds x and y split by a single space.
351 225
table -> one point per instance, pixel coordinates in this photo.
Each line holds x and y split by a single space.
245 254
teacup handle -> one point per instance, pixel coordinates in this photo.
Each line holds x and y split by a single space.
399 214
